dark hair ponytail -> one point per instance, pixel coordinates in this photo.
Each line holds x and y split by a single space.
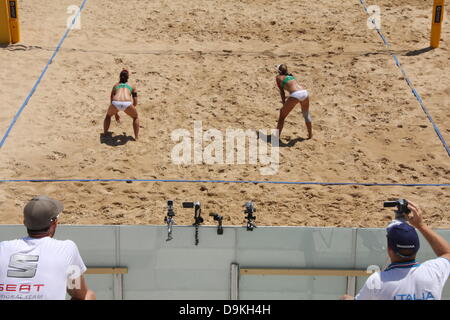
124 75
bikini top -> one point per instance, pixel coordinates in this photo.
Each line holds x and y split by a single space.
286 80
124 85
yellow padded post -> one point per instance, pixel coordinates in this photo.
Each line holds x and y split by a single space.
5 33
436 25
14 26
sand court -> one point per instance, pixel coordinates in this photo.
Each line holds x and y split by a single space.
213 61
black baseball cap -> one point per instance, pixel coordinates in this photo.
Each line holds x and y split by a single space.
403 237
40 211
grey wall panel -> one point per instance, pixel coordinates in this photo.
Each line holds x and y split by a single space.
102 285
97 244
11 232
192 294
294 287
370 248
426 252
295 247
176 269
138 249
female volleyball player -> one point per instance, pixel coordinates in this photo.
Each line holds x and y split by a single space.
123 98
297 93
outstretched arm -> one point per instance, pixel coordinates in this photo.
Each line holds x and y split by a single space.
113 92
282 94
439 245
134 94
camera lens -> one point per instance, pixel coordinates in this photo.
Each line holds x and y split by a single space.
390 204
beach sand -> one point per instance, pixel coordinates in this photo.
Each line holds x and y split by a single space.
213 61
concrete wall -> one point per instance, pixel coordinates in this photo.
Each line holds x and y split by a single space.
178 269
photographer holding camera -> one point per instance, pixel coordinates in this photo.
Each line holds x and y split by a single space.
404 278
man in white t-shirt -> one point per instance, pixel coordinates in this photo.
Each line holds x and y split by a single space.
39 267
404 278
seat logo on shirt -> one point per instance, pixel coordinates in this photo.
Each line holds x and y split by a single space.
22 266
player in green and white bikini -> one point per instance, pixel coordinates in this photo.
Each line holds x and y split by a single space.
297 93
123 98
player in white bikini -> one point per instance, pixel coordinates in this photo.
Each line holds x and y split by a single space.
297 93
123 98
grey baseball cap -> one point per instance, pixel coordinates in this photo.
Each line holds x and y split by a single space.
39 212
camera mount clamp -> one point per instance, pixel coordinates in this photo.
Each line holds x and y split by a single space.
249 210
169 219
197 217
219 219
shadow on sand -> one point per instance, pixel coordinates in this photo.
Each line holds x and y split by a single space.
117 140
418 52
270 138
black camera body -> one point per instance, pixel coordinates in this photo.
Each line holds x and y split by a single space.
170 211
216 216
189 204
249 208
402 208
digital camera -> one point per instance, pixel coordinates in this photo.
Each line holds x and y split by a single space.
402 208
